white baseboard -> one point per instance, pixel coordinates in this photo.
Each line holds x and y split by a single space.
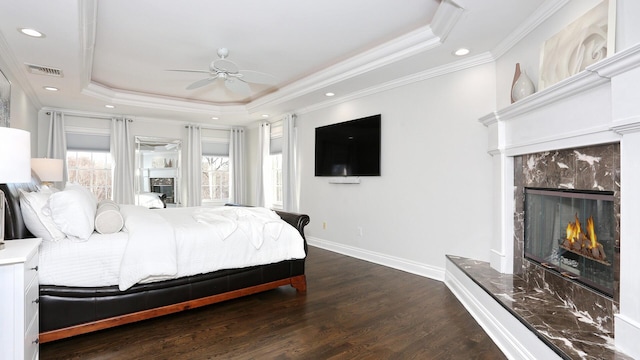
409 266
513 338
627 334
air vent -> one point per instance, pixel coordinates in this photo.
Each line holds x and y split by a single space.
44 70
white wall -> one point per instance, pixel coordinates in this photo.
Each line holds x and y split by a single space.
23 113
432 197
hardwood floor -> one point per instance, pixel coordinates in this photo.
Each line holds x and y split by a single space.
353 309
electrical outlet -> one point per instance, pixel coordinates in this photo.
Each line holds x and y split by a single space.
324 225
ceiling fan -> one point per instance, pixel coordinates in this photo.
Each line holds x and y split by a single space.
234 79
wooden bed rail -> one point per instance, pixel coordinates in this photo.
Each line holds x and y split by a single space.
298 282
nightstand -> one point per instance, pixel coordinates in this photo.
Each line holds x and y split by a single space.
19 299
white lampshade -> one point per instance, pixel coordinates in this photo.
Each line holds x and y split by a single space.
47 169
15 155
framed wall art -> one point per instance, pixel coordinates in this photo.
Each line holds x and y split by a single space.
585 41
5 100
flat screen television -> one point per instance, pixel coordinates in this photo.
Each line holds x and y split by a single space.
350 148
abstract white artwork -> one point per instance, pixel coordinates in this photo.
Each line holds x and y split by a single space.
585 41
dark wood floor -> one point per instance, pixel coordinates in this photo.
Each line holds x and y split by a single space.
352 310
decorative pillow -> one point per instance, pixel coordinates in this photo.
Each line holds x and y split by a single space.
73 210
108 218
39 224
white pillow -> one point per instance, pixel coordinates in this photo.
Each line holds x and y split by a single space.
108 218
39 224
73 210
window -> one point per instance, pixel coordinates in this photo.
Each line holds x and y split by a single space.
276 179
215 179
91 169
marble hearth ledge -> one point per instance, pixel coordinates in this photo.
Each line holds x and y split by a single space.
526 322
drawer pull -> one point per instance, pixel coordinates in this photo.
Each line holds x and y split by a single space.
36 301
35 268
36 341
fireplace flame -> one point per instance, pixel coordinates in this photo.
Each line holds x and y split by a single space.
591 233
585 244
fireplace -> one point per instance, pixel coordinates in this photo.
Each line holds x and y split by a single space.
572 232
560 190
164 186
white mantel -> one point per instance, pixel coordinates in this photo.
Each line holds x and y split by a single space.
599 105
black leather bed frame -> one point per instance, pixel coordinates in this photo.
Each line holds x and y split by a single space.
68 311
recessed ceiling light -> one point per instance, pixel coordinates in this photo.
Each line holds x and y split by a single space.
214 118
461 52
31 32
50 88
329 94
110 106
265 115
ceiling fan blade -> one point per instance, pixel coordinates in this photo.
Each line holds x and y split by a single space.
201 83
189 70
223 65
238 86
258 77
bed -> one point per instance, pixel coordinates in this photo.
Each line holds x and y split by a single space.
97 297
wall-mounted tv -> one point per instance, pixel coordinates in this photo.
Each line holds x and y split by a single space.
350 148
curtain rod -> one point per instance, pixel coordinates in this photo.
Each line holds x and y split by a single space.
97 117
210 127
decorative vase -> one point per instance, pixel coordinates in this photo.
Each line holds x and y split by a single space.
522 87
516 75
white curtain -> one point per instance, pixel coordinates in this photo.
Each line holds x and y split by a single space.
123 166
236 167
263 190
57 143
289 171
193 184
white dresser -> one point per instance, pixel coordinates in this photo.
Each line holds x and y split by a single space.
19 299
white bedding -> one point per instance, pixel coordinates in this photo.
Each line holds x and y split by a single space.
183 242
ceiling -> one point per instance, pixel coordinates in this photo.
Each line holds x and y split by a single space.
118 52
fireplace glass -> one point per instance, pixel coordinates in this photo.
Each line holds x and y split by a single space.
572 232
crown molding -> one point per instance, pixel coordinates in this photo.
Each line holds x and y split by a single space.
163 103
419 40
445 18
88 12
542 13
421 76
413 43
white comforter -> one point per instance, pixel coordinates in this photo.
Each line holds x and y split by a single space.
169 243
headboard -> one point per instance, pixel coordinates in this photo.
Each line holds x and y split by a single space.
14 227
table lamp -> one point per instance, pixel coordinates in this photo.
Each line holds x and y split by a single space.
15 164
48 170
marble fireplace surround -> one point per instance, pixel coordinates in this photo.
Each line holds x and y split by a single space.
594 167
599 106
